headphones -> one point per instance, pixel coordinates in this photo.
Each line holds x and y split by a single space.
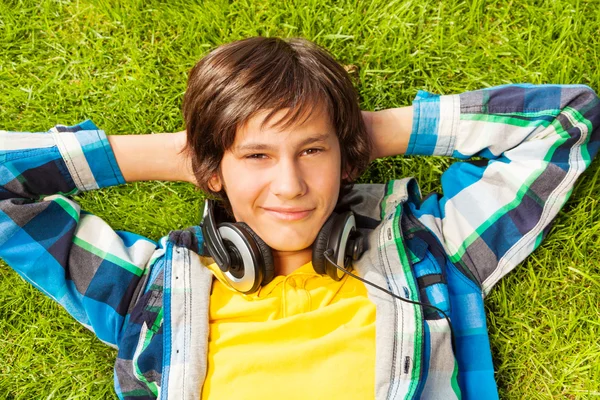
247 261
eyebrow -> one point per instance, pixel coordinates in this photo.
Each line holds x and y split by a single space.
257 146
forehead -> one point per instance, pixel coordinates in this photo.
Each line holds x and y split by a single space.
313 123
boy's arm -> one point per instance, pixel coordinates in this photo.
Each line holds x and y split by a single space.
72 256
535 142
389 130
157 157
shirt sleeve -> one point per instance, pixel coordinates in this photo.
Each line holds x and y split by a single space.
532 143
72 256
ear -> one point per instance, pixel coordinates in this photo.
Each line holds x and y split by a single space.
214 183
345 171
349 174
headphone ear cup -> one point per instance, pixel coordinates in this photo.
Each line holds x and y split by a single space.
320 245
265 250
344 227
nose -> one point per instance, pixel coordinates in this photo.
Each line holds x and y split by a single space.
288 182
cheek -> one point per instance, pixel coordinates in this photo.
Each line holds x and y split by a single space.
326 176
242 186
324 184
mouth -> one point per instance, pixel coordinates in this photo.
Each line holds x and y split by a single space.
288 214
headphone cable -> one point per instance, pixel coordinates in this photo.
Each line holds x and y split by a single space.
328 255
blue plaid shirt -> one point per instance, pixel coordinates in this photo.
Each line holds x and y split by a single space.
533 141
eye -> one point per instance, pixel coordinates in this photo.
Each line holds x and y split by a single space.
313 151
258 156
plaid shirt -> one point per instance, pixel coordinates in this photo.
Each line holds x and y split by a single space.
447 250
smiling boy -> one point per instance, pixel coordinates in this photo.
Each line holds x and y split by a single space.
274 129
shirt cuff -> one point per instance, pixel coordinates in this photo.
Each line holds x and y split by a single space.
435 124
87 155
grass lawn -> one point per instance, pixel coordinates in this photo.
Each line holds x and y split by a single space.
124 65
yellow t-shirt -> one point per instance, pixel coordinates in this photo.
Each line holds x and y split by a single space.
302 336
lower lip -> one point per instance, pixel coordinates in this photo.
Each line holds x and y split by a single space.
289 216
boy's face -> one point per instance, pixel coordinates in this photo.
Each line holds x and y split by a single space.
284 183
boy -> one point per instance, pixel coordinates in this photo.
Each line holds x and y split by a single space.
274 129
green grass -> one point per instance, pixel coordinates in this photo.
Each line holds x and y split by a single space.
124 65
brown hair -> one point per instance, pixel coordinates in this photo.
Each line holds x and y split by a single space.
237 80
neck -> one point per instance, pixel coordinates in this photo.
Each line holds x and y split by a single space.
287 262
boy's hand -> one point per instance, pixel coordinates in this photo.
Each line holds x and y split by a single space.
389 130
159 156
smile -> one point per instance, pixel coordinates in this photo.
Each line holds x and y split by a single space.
288 215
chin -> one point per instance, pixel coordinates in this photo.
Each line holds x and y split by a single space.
287 245
285 240
290 237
